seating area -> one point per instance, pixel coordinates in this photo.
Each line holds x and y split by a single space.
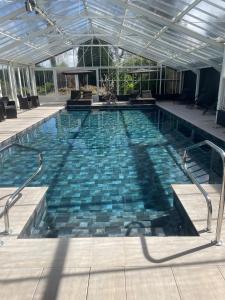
28 102
145 97
78 98
7 109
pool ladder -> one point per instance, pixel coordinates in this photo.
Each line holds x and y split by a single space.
13 197
217 240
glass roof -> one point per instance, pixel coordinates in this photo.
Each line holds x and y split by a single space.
183 34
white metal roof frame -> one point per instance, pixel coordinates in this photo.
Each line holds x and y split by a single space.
184 34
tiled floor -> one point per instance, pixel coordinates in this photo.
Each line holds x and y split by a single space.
196 117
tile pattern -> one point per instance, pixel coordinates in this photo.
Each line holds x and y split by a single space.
109 173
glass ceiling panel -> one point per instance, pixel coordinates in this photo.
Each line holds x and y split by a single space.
6 9
159 28
206 18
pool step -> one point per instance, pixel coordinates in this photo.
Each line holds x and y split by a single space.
193 204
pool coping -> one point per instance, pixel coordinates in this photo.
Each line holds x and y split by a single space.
17 135
26 213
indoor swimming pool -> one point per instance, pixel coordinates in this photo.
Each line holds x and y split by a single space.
109 173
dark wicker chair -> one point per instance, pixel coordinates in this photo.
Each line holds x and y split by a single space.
8 108
25 102
134 94
75 95
186 97
2 117
207 100
87 95
86 100
34 100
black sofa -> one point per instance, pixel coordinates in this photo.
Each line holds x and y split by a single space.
25 102
8 108
77 100
2 117
75 95
34 100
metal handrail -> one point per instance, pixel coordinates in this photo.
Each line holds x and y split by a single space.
203 191
12 199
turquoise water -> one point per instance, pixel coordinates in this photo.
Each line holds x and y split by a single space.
109 173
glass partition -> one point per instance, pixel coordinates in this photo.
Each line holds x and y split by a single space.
5 81
45 82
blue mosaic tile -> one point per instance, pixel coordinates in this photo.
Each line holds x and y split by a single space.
109 173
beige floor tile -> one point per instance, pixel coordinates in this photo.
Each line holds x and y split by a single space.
18 284
108 252
63 284
155 284
107 284
200 283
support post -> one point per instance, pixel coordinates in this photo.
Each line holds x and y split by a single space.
117 81
97 83
180 84
77 84
160 81
20 82
55 83
221 94
13 87
220 113
197 72
33 81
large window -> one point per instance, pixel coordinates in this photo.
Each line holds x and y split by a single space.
45 82
23 81
122 69
5 81
65 83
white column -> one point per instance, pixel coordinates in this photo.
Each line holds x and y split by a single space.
28 79
20 83
55 83
180 85
117 81
221 94
77 84
33 81
97 83
197 72
13 87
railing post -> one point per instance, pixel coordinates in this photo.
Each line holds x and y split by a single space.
11 200
6 219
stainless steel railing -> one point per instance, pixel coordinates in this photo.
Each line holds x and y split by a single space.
204 192
13 197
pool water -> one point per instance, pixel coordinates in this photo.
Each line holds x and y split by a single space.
109 173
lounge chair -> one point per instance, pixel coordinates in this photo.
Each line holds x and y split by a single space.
75 95
8 108
87 95
186 97
133 95
146 98
25 102
86 100
207 100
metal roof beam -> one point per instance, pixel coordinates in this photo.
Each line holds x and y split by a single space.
177 27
